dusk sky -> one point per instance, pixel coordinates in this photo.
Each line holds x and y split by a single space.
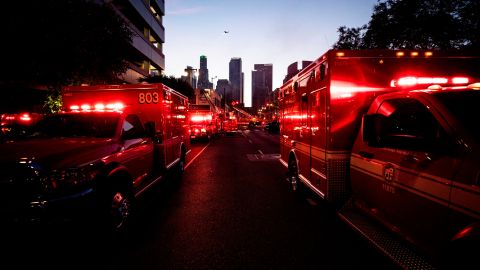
277 32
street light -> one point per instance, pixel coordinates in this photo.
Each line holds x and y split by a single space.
213 82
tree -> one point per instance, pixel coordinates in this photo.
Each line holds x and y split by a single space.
350 38
54 43
177 84
412 24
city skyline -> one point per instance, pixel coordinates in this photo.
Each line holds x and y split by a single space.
276 32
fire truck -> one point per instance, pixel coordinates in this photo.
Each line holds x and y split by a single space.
108 145
390 140
230 125
204 123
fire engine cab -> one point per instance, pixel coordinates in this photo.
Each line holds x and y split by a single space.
109 144
391 139
203 122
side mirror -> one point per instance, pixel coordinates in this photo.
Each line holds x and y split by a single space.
373 129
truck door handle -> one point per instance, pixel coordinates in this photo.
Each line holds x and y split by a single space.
365 154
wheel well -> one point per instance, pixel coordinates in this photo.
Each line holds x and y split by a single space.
119 177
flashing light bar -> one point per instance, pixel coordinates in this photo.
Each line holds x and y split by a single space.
98 107
412 81
198 118
25 117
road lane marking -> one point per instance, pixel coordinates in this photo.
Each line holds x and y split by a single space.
195 157
311 202
260 151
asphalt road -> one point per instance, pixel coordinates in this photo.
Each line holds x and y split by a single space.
231 210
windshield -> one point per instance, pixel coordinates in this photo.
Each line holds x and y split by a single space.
97 125
464 106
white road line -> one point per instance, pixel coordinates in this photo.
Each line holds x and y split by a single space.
260 151
195 157
311 202
250 141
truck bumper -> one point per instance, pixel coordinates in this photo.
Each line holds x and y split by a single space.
53 210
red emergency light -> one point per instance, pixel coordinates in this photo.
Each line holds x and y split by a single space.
25 117
409 81
98 107
199 118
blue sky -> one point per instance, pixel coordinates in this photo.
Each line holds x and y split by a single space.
260 32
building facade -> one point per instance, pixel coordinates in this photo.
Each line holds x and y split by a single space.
293 69
145 19
262 81
236 79
190 76
203 81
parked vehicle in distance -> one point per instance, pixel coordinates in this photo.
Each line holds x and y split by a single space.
272 127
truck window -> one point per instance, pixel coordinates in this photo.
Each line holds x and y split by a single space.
464 106
410 125
96 125
132 127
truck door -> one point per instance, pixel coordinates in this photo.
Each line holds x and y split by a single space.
169 128
137 153
316 124
405 181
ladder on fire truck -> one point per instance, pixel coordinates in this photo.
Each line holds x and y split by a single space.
212 104
244 113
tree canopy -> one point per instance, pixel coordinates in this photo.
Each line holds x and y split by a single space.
53 43
413 24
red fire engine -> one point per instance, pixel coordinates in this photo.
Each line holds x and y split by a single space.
203 122
392 138
230 124
108 145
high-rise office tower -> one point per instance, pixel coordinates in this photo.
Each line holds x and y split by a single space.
203 81
261 84
236 80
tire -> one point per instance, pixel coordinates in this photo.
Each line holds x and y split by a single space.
118 213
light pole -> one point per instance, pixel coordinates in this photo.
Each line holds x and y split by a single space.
213 82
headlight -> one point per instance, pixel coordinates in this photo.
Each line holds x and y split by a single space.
73 176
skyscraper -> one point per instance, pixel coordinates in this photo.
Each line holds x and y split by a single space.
236 80
203 81
261 84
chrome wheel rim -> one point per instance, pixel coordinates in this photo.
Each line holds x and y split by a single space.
120 210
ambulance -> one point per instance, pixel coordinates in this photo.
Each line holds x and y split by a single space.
390 139
108 145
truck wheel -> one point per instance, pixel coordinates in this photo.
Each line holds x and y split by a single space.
120 212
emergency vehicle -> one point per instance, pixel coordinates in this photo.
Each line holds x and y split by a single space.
391 139
204 123
230 125
109 144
